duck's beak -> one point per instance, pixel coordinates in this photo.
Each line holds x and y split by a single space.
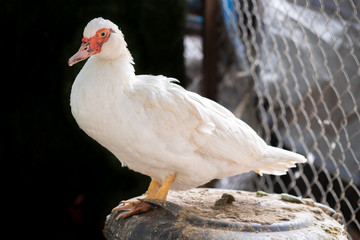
84 52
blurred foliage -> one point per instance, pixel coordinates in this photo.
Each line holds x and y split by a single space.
72 176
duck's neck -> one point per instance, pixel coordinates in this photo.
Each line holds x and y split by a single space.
117 72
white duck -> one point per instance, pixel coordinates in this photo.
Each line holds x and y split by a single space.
156 127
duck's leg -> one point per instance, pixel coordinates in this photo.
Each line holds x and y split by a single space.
155 191
165 187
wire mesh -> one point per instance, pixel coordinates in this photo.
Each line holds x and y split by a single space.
193 55
294 76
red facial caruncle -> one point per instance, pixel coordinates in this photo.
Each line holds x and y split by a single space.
91 46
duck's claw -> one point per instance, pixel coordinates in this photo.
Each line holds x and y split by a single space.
131 207
124 205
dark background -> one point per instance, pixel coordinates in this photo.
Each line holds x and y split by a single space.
71 183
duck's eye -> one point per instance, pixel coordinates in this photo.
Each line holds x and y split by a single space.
103 34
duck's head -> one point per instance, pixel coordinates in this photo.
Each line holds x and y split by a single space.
103 39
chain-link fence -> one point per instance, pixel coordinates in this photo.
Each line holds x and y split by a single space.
291 69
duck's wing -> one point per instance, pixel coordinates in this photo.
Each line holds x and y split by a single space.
209 128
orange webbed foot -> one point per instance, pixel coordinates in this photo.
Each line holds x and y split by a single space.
131 207
155 191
